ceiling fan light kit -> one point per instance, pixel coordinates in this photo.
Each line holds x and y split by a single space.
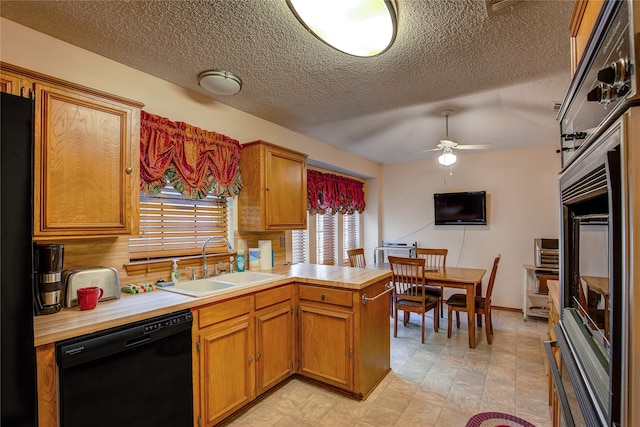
447 158
220 82
357 27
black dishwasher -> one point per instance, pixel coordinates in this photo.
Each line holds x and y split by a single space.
135 375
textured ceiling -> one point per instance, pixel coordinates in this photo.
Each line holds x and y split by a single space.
500 74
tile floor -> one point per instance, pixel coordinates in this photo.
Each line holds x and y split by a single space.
441 383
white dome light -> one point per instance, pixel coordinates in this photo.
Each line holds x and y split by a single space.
447 158
220 82
357 27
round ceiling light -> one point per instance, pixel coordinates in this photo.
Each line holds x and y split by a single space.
357 27
220 82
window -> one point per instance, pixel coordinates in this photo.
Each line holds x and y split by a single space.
325 235
326 239
172 226
350 234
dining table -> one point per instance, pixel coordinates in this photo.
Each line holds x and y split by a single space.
469 279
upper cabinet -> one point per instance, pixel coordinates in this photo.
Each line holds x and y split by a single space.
274 192
583 19
86 157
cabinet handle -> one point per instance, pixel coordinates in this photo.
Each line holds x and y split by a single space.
267 188
250 360
128 170
387 288
258 356
323 296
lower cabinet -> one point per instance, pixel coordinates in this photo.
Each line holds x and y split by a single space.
224 359
275 337
326 344
242 348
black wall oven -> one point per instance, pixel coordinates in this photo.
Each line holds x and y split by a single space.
593 289
595 250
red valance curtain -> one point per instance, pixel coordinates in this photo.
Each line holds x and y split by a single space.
194 161
329 193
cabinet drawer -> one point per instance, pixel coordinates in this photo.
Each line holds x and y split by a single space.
223 311
273 296
327 295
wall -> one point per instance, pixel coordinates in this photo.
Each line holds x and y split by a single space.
522 200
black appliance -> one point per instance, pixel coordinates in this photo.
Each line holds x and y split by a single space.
48 264
137 375
18 403
595 235
464 208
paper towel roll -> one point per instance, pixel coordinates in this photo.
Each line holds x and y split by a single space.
265 254
254 259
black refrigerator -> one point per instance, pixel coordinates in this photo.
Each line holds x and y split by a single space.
18 398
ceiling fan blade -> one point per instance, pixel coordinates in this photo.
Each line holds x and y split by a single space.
425 151
474 147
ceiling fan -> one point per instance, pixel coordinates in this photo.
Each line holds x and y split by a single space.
447 146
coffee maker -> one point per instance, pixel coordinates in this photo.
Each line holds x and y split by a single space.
48 264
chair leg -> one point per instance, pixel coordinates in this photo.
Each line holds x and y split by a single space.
436 319
441 301
423 319
395 322
449 322
407 314
488 327
458 319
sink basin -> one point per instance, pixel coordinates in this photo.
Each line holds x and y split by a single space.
211 285
247 277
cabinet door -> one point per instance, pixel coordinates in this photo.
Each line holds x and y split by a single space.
226 368
286 190
326 344
10 83
274 346
86 163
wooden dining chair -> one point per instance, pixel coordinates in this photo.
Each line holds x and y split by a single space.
434 259
458 303
408 294
356 258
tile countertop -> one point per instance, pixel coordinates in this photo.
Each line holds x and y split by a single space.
72 322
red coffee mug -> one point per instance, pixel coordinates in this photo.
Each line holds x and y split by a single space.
88 297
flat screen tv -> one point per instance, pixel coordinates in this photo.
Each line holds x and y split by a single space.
465 208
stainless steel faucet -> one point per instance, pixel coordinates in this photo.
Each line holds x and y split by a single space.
205 268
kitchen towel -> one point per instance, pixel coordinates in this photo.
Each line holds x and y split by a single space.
254 259
265 254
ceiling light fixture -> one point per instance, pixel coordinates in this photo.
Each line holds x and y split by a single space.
357 27
447 158
220 82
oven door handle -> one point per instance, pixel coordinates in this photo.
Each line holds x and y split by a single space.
557 382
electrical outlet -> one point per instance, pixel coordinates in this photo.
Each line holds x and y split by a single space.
282 242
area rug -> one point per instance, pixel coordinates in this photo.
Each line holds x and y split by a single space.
497 419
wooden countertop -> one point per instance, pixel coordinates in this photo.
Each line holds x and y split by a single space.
72 322
554 292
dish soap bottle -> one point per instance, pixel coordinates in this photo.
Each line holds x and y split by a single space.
175 274
240 263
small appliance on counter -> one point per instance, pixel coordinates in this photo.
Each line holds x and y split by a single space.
48 264
103 277
547 253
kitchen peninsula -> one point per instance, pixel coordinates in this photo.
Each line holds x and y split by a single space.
326 311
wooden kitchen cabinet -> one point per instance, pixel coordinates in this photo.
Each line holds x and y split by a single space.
326 344
275 340
583 19
343 336
274 192
223 360
86 157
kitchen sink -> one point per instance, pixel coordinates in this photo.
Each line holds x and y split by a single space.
211 285
247 277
